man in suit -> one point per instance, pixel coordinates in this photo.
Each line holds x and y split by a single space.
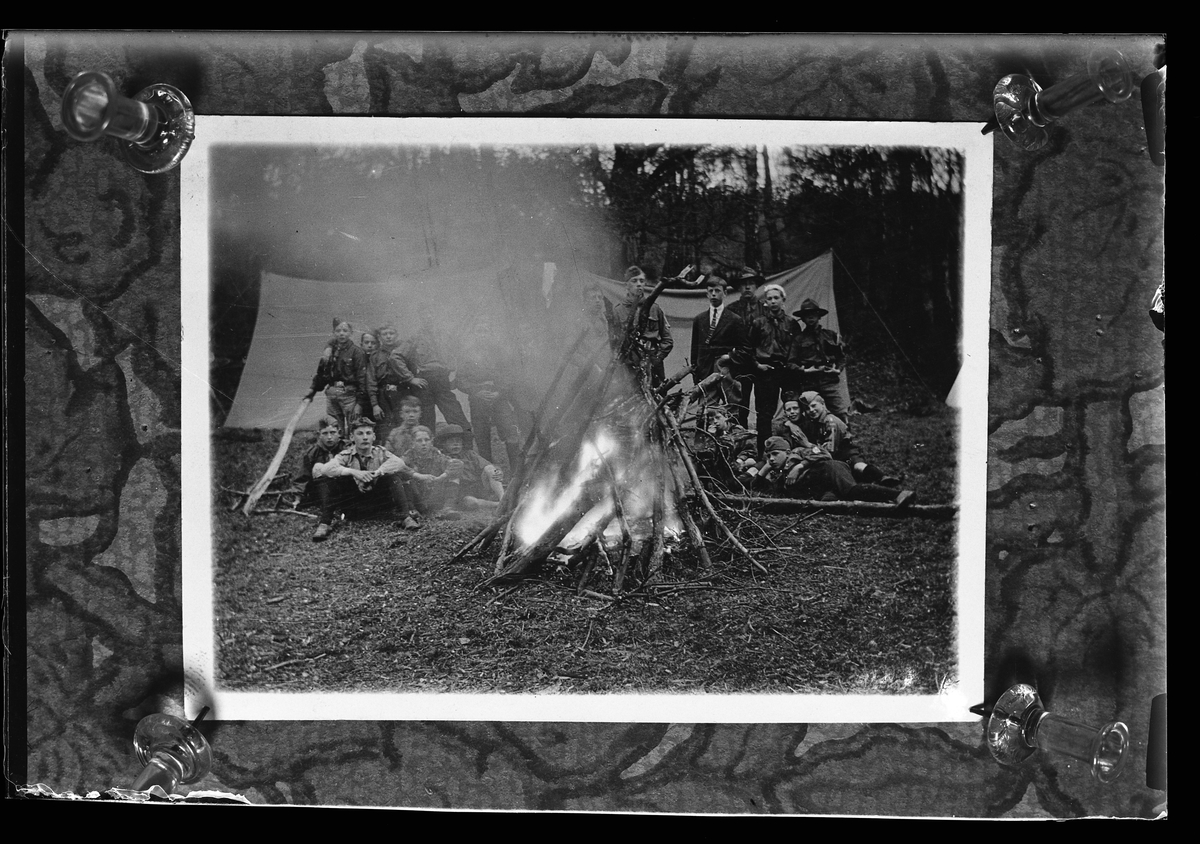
716 331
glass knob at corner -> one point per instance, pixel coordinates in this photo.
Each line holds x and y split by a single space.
173 751
155 127
1019 724
1024 109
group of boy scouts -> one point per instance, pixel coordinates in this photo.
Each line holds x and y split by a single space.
382 390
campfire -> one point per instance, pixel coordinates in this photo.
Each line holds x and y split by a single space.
608 482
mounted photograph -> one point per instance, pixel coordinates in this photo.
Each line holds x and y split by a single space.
585 419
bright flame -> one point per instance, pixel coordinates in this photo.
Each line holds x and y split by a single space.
543 506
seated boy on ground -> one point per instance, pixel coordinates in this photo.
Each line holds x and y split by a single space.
812 473
725 449
473 483
400 439
326 447
789 424
427 486
361 480
831 433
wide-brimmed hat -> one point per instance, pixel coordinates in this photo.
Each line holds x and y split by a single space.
808 306
749 273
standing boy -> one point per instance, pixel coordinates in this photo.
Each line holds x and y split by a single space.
716 331
769 342
645 338
748 308
817 359
342 374
486 375
423 368
385 385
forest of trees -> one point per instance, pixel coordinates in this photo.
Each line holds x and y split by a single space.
892 216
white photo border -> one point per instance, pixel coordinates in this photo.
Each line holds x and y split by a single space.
951 705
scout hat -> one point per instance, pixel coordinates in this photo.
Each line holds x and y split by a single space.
776 444
749 273
808 306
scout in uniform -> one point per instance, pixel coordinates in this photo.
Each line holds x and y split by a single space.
361 480
817 359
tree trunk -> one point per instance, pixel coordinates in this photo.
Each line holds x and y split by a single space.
751 254
776 258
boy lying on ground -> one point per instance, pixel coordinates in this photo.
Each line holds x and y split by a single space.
828 431
813 473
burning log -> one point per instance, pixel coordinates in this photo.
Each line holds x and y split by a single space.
612 481
536 552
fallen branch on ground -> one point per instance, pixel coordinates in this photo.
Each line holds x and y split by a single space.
852 508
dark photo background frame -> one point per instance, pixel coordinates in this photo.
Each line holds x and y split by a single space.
1075 536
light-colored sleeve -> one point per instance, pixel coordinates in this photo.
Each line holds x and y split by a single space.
335 468
393 465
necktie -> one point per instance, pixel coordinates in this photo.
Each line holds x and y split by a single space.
712 325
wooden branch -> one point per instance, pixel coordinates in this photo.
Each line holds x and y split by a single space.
286 510
532 556
658 519
259 488
681 450
588 564
689 525
854 508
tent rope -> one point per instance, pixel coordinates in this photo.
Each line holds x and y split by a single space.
879 317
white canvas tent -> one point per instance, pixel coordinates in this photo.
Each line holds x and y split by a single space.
294 317
294 323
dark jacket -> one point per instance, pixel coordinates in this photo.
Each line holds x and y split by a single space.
708 343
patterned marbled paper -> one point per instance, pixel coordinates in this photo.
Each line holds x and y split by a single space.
1076 566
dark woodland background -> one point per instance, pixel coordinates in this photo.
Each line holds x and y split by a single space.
1075 544
892 216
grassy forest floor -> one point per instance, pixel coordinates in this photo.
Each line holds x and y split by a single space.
849 604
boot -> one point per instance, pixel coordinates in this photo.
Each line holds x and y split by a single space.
869 474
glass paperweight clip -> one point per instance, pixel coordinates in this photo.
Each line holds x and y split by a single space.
1019 725
155 127
1024 109
173 751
